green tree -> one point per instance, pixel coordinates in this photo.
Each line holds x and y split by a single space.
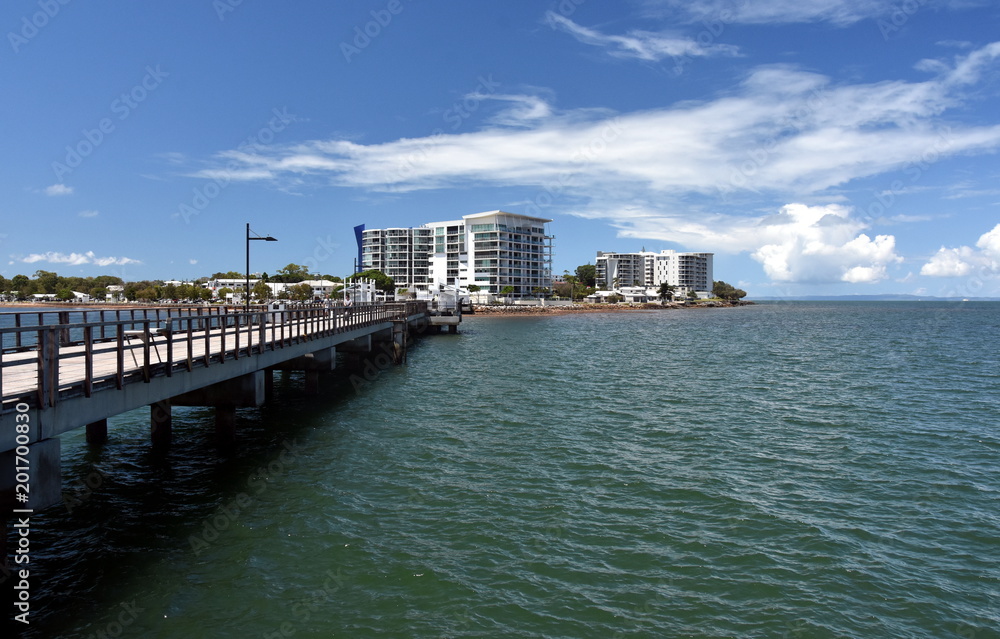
586 274
205 294
261 290
170 291
666 292
300 292
148 294
224 292
64 294
291 274
692 295
228 275
47 281
98 293
727 291
474 288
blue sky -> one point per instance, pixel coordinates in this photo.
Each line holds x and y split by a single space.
816 147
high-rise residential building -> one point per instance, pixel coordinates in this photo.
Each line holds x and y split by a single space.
400 253
491 250
686 271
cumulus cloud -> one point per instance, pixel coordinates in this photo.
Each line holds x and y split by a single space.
798 243
642 45
58 189
75 259
963 260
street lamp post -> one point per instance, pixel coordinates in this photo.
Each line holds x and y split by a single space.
246 300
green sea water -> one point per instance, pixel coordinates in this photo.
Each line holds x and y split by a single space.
779 470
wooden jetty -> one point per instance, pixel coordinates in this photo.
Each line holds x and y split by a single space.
57 375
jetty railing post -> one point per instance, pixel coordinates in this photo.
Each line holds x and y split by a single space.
48 366
262 338
170 347
207 328
146 373
120 358
237 317
63 318
88 360
190 344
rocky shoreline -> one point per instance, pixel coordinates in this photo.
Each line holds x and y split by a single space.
598 308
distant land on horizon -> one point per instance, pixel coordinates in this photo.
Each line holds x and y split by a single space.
872 298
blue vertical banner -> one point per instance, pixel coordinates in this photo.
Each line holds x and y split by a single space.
359 236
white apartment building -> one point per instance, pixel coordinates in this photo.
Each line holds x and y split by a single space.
401 253
492 250
686 271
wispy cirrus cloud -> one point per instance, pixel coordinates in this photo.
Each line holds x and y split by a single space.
642 45
74 259
782 130
837 12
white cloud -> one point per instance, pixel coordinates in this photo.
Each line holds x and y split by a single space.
838 12
963 260
783 135
89 213
954 262
75 259
800 243
58 189
192 261
783 130
643 45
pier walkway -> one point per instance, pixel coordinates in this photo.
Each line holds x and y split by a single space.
64 370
